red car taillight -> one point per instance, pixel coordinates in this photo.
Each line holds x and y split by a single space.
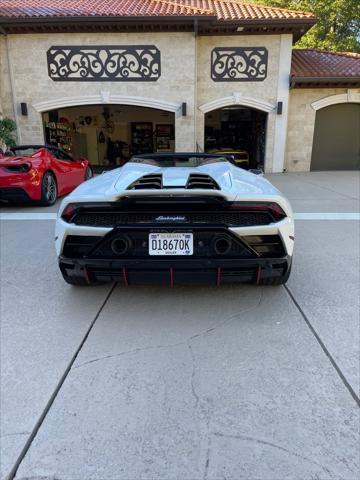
269 207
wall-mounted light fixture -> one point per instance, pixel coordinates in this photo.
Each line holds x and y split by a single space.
23 108
183 109
279 108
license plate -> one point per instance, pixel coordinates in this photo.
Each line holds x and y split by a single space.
170 244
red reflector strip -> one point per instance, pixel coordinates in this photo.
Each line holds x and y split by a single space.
125 277
218 277
87 275
171 278
258 275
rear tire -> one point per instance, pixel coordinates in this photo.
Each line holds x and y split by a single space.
48 189
277 280
88 173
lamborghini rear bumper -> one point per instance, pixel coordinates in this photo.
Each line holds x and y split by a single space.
176 272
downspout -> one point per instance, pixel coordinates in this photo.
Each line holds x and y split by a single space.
12 88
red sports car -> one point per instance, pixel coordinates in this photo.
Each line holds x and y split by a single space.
40 173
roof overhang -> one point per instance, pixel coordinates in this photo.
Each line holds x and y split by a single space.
321 82
205 25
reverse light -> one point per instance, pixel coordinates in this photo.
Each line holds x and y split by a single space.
268 207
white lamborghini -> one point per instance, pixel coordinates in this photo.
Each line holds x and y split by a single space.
175 219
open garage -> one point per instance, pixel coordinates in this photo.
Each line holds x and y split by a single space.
237 130
337 138
108 135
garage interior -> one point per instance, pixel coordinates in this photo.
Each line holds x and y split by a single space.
109 135
336 144
237 129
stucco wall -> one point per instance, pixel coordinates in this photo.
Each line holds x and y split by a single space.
302 123
33 85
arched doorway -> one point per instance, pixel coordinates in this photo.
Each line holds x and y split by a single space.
108 134
238 129
336 142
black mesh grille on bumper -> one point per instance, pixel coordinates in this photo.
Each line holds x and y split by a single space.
232 219
265 245
79 245
247 247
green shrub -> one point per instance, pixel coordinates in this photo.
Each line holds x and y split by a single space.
7 133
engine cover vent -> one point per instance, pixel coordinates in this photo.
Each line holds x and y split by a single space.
152 182
202 181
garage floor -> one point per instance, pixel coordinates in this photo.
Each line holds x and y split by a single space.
241 382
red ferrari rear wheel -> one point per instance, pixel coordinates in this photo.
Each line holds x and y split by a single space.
48 189
88 173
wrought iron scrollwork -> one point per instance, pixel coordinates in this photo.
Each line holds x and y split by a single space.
239 64
104 63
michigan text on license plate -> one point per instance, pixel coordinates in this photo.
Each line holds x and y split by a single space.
170 244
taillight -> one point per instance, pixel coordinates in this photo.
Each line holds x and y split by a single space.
264 207
68 213
73 209
22 168
277 211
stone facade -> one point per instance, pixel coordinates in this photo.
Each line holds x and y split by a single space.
185 77
33 85
265 91
6 100
301 125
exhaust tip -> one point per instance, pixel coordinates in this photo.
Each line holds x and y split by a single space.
222 245
120 245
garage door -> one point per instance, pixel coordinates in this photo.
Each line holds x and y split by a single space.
336 144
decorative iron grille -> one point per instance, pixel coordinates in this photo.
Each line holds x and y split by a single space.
104 63
239 64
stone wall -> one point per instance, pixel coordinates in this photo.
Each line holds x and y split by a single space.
33 85
6 102
301 125
185 77
266 91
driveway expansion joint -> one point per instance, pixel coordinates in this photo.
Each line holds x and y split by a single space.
52 398
323 347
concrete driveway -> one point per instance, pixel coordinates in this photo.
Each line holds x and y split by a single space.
239 382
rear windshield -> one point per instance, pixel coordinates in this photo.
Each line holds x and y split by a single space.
24 151
179 161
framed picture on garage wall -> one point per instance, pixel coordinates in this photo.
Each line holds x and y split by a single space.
142 140
164 137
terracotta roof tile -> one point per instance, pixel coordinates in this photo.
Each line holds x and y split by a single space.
319 64
221 9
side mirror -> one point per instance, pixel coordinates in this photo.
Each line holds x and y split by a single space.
256 171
